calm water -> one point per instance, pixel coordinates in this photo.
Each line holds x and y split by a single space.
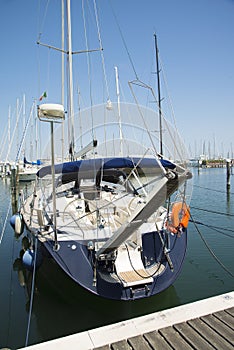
61 308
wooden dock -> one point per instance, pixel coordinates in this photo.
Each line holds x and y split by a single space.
214 331
201 325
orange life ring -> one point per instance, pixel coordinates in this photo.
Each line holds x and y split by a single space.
180 216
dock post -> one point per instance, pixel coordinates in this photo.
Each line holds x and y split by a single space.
14 201
198 166
228 163
13 177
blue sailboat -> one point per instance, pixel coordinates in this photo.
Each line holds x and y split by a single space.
114 217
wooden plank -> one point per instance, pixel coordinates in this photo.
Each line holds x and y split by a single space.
230 311
134 275
215 339
219 327
139 343
192 337
105 347
225 318
174 338
156 341
121 345
215 331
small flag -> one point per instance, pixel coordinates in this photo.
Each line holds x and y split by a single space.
44 95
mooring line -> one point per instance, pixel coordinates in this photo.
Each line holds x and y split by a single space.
216 228
11 289
31 293
209 249
212 189
212 211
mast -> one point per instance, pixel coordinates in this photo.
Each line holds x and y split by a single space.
70 82
36 130
24 120
119 114
62 75
159 96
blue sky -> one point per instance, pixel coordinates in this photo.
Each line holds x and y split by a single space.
196 48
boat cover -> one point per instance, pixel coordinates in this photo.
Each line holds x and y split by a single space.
95 165
37 162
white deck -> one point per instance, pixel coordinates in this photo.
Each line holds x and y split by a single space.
74 223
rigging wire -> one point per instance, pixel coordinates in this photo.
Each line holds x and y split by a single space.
88 65
40 31
167 91
5 222
3 140
209 249
124 41
101 49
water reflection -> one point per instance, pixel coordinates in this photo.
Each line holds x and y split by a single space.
61 307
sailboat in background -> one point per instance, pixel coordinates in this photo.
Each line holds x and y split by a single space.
27 170
115 216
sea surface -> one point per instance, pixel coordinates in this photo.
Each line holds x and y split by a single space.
60 307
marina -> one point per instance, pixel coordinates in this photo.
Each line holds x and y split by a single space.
202 276
115 234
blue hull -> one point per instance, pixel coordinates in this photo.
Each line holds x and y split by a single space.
78 263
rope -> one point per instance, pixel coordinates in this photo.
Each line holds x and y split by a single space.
210 250
211 189
217 229
149 275
212 211
31 294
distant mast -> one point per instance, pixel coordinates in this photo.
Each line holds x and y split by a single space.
159 96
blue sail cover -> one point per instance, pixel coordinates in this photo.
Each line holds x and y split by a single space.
38 162
92 166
